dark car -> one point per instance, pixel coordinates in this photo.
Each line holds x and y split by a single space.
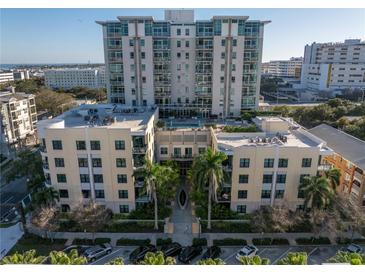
171 250
138 253
212 252
189 253
352 248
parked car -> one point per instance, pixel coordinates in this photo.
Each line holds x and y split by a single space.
97 251
247 251
80 249
189 253
352 248
138 253
212 252
172 249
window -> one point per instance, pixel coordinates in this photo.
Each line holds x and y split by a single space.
283 162
269 162
99 194
98 178
243 179
80 145
85 193
223 55
119 145
178 43
131 42
306 162
95 145
57 144
63 193
61 178
59 162
83 162
223 42
265 194
164 151
234 55
123 194
142 42
245 162
302 176
187 32
187 55
241 208
300 194
178 55
187 44
234 42
121 162
177 151
143 55
281 178
222 79
123 209
188 151
96 162
267 179
178 32
84 178
242 194
279 194
131 55
201 150
122 178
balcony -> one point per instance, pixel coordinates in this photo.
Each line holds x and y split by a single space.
143 199
224 198
42 149
139 150
324 167
227 168
45 166
138 183
182 157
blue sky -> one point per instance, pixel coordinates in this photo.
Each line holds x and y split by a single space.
72 36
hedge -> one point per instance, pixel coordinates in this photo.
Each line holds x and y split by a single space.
343 241
261 241
279 241
200 242
229 242
313 241
228 227
133 242
133 227
161 241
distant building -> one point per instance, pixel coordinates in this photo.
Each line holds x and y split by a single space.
6 77
21 75
349 158
73 78
18 117
334 66
283 68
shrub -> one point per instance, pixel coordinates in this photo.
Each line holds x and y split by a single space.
279 241
227 227
161 241
251 128
31 239
78 241
229 242
132 242
99 241
200 242
312 240
344 241
304 226
261 241
146 212
133 227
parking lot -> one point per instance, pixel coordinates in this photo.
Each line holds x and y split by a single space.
316 254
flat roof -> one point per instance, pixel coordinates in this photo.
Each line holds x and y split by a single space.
5 97
350 147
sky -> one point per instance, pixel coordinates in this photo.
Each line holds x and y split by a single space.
29 36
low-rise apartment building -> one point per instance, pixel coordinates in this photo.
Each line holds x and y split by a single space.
348 157
6 76
92 151
283 68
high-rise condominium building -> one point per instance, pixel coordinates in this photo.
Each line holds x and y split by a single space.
334 66
73 78
210 67
284 68
91 152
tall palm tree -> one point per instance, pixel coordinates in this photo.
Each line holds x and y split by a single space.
45 197
317 192
333 175
61 258
157 259
207 169
156 177
27 257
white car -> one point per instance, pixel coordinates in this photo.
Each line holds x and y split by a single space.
247 251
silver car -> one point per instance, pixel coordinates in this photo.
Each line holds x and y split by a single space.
97 251
247 251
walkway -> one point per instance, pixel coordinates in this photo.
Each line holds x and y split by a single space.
182 218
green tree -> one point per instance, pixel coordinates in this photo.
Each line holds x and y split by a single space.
27 257
157 259
116 261
61 258
156 179
349 258
55 102
255 260
294 258
45 197
207 168
211 261
333 175
317 192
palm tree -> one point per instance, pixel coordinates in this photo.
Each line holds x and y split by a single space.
156 177
157 259
207 168
116 261
211 261
317 192
28 257
342 257
333 175
61 258
294 258
255 260
45 197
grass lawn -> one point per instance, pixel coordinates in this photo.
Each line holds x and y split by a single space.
42 246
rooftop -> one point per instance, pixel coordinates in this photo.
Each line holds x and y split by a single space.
350 147
102 116
6 96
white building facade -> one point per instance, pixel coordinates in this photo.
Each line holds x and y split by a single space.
210 67
72 78
6 77
334 66
284 68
